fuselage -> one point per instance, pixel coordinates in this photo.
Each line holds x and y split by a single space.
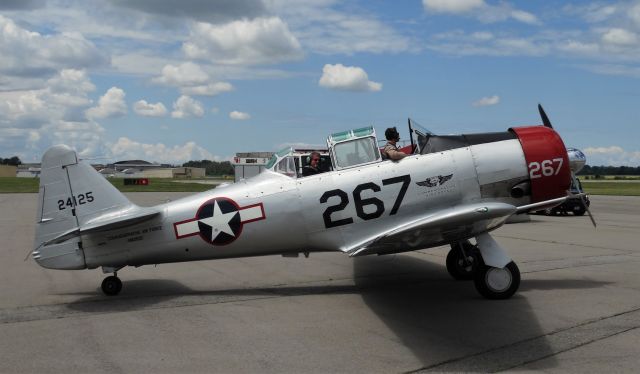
324 212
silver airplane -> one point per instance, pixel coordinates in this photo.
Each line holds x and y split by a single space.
450 190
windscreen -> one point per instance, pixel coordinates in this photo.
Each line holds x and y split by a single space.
356 152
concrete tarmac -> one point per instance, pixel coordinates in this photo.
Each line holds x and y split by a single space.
577 310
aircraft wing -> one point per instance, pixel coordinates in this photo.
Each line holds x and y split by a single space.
436 228
107 222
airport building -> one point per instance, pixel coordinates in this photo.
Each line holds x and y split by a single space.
121 169
249 164
8 171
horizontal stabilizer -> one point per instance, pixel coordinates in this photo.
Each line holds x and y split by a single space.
107 223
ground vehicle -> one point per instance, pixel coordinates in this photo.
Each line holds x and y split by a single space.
572 204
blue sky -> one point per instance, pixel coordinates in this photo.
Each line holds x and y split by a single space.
171 81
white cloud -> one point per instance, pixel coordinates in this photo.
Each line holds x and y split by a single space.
210 89
612 155
186 107
192 80
614 69
210 11
125 148
482 35
452 6
634 14
142 108
322 27
579 48
480 10
30 54
619 36
243 42
593 12
525 17
239 116
186 74
143 63
62 98
458 43
71 81
347 78
487 101
110 105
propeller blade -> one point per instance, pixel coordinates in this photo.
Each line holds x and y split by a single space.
545 119
588 211
584 203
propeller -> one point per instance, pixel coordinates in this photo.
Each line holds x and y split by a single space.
545 119
581 195
574 180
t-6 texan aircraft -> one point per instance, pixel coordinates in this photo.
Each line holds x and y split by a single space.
450 189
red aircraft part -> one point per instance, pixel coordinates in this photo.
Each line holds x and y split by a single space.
547 162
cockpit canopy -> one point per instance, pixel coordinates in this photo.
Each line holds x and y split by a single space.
353 148
347 149
290 161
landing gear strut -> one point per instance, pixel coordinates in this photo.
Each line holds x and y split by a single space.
465 262
111 285
462 259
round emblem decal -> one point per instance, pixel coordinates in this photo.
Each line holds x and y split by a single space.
219 221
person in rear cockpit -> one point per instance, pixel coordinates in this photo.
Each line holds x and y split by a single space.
391 149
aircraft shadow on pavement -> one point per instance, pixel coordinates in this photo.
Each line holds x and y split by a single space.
443 320
437 318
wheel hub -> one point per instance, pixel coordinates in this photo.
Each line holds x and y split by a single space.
499 280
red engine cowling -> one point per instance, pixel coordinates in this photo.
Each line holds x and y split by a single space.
547 162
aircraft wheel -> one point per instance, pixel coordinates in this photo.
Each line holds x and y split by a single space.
579 211
111 285
494 283
461 268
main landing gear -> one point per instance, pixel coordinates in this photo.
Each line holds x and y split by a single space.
112 285
465 262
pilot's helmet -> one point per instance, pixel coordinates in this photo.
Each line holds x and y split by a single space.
392 134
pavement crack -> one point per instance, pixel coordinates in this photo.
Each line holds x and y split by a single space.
575 347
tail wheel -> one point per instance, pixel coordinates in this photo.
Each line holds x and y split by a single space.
495 283
111 285
461 266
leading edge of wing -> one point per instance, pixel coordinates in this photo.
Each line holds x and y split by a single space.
463 220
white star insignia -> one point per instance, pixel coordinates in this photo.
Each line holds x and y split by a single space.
219 222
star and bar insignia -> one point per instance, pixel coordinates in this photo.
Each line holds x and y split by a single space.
219 221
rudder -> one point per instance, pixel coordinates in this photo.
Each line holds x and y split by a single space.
71 195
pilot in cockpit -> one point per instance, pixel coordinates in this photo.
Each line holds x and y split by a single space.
314 165
391 149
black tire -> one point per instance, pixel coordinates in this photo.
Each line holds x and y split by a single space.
579 210
111 285
497 284
457 267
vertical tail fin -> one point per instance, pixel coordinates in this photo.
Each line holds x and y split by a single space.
71 194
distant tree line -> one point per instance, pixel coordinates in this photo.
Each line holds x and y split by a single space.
15 161
212 167
609 170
